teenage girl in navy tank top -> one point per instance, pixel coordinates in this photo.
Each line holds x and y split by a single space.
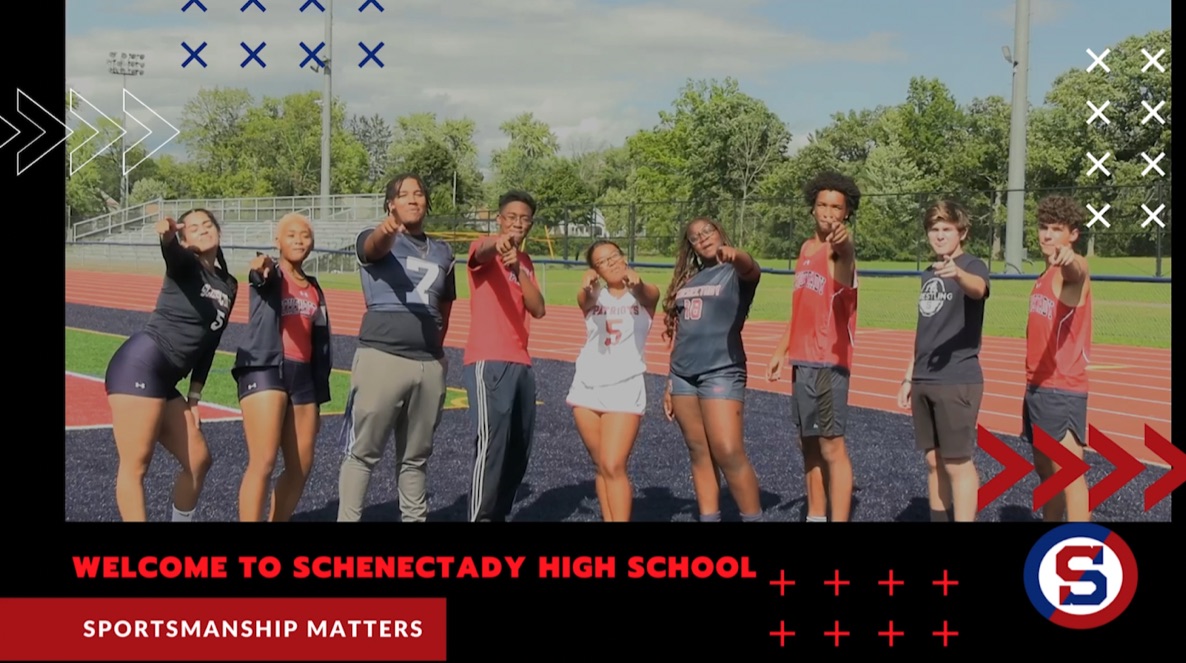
180 339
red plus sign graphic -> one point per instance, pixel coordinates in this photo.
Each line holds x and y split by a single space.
836 634
945 633
782 583
945 582
836 582
891 582
890 633
782 634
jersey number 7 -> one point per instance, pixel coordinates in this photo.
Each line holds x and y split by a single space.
427 272
613 333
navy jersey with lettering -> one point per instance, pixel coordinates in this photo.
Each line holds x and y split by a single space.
950 325
711 308
192 311
404 291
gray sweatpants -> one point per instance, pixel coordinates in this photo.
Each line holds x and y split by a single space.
502 413
390 394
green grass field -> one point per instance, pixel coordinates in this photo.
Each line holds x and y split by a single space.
87 352
1134 314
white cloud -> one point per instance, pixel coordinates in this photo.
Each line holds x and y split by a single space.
583 67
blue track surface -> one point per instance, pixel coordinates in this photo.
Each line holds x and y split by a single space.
890 476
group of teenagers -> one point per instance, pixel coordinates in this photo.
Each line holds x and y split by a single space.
398 377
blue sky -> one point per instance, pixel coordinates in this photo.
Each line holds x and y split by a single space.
596 70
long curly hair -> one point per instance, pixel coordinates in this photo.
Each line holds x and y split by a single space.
687 265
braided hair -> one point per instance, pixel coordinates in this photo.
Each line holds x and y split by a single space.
687 264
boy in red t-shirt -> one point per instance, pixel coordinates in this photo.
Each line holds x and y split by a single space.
503 297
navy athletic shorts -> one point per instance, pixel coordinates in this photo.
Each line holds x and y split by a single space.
295 379
139 368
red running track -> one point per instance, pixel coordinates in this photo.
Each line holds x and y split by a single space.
89 408
1130 385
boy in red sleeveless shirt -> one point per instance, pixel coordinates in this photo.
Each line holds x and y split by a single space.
818 345
1058 347
504 297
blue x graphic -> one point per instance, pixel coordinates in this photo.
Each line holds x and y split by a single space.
369 3
312 2
312 55
193 55
257 3
253 54
194 2
370 55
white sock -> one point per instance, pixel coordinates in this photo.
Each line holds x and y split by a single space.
180 516
817 519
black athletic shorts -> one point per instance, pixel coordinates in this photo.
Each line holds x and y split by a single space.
1055 412
819 400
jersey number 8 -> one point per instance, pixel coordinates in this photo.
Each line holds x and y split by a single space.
693 308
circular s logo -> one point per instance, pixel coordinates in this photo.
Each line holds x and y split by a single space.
1081 576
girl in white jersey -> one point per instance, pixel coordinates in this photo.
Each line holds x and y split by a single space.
608 394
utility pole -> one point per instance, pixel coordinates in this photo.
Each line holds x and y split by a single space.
1015 206
327 109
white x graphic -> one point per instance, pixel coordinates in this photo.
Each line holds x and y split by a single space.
1153 164
1153 215
1099 112
1152 111
1153 60
1099 163
1099 216
1098 60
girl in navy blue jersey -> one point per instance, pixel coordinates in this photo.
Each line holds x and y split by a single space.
705 310
282 370
180 339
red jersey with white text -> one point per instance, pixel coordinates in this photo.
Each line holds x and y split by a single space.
299 307
500 324
1057 338
823 312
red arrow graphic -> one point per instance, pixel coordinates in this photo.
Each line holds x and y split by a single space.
1173 457
1126 469
1070 467
1016 467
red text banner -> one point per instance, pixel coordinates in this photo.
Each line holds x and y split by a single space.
204 629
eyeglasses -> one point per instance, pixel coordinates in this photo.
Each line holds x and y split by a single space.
609 260
524 219
703 234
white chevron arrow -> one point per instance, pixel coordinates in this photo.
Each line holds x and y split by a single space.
127 169
20 94
16 131
76 96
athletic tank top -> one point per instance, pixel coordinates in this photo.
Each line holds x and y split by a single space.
823 312
616 331
299 309
1057 338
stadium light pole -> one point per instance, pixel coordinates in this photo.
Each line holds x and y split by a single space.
123 65
1015 205
327 96
327 106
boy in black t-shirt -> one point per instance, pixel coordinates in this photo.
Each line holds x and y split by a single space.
944 383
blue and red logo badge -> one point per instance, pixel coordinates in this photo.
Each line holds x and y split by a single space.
1080 576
